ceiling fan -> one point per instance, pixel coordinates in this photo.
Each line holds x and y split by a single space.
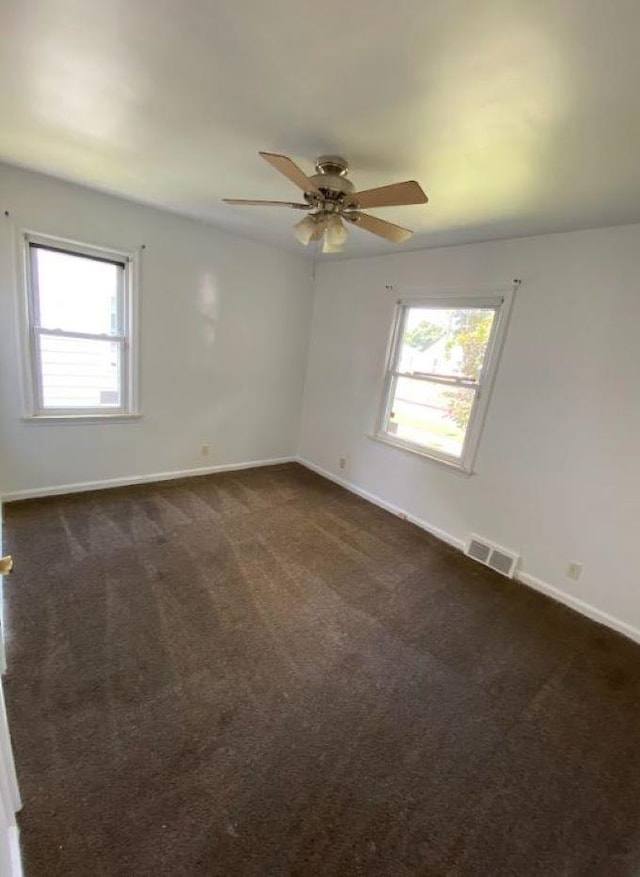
330 198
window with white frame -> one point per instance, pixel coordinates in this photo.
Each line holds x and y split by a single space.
80 310
442 361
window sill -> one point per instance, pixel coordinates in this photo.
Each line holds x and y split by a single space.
80 418
451 465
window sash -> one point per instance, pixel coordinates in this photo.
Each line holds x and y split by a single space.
423 447
88 336
479 387
123 384
82 253
448 380
122 338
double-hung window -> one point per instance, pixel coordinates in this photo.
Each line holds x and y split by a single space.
80 311
442 361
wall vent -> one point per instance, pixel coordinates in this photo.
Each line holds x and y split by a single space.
493 556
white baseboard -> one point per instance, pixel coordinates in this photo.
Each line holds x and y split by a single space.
525 578
580 606
82 486
14 852
389 507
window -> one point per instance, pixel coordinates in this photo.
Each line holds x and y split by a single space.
442 360
80 329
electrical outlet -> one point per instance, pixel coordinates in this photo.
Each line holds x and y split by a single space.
204 450
574 570
343 462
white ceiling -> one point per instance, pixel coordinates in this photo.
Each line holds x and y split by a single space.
516 116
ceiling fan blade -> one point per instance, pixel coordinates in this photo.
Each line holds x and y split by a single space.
384 229
267 203
395 195
291 170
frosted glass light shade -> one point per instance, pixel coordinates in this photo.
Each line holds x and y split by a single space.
334 236
305 229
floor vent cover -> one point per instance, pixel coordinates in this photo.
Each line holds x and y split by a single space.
493 556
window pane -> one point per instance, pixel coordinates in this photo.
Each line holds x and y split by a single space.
445 341
431 415
76 293
80 373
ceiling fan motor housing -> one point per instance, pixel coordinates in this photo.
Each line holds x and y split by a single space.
331 178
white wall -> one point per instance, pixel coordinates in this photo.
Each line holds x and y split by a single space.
223 343
558 472
224 336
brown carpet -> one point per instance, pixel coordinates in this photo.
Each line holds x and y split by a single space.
258 673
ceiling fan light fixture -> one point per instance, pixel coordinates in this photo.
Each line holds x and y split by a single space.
335 235
331 197
305 230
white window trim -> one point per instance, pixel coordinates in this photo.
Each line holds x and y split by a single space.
502 303
129 409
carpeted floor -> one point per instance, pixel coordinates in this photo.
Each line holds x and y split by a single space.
258 673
